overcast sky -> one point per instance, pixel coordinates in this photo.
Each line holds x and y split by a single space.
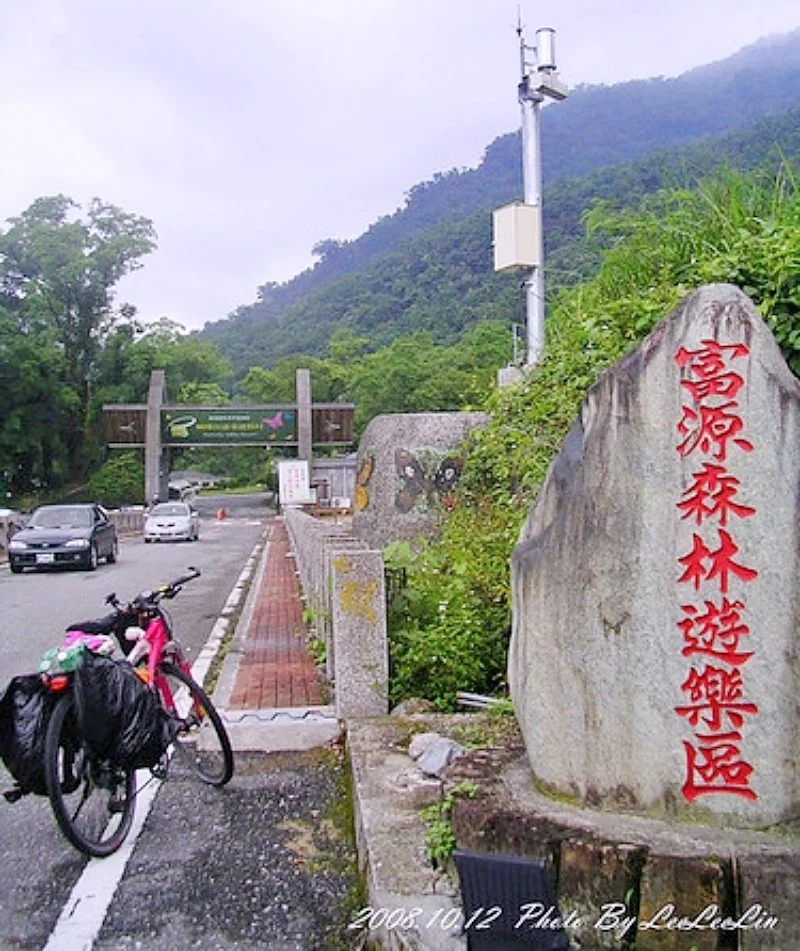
248 130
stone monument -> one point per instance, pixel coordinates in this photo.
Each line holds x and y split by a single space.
654 662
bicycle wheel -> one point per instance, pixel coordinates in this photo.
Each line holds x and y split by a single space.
201 741
93 800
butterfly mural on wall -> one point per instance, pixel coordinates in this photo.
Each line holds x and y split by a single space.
425 481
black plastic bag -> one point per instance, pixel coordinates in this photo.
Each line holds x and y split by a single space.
118 716
25 710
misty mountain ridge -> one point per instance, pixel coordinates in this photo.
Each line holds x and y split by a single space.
586 141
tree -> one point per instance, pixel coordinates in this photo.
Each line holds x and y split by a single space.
57 275
119 480
328 248
131 352
33 397
203 394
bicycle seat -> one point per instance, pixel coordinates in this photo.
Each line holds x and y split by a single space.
103 625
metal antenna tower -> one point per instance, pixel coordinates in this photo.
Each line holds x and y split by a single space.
519 236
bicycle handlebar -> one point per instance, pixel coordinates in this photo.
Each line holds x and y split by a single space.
194 573
152 598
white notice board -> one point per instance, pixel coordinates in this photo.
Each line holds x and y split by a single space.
293 482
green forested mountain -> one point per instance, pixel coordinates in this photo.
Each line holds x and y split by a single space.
428 266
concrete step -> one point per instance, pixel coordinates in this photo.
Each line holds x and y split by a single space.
281 729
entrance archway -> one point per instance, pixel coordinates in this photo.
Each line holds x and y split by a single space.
159 426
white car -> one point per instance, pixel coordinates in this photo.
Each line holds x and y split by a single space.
172 521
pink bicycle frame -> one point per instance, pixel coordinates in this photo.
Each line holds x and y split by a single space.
157 638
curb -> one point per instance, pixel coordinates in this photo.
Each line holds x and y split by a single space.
221 628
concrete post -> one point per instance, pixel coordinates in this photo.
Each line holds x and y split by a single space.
359 634
155 481
303 389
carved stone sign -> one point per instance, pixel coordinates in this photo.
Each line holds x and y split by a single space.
654 656
408 468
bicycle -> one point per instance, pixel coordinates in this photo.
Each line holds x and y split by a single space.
94 798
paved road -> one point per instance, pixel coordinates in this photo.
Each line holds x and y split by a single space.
264 863
35 607
39 867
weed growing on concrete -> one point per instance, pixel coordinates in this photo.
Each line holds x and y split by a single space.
486 731
440 840
318 650
341 815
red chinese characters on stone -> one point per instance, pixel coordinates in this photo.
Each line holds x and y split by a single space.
726 385
715 632
716 706
704 564
711 494
716 766
709 362
716 699
706 426
711 427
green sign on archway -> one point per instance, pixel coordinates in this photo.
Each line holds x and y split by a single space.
228 426
158 426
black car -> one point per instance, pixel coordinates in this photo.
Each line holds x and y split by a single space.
64 536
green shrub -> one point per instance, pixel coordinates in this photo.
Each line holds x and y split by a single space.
440 840
119 481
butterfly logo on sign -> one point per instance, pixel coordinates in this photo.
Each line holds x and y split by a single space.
279 426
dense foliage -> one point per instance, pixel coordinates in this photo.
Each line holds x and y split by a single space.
65 348
119 481
412 374
450 625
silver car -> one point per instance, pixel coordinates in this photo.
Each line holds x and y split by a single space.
172 521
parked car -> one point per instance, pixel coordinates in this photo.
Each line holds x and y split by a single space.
64 536
172 521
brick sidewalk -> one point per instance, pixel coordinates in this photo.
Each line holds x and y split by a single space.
276 669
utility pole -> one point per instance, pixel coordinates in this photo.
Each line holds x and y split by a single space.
519 234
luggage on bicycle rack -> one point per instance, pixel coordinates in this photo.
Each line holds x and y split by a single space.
118 716
25 710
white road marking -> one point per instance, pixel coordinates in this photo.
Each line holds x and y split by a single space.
83 914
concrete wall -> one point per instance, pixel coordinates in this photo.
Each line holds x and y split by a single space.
128 522
343 586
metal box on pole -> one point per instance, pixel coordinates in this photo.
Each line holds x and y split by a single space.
517 237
